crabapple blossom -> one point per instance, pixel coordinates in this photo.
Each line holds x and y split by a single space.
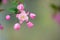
23 16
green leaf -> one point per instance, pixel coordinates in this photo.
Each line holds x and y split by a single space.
22 1
13 10
16 10
54 6
14 3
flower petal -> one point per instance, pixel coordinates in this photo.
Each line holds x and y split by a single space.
17 15
20 21
20 7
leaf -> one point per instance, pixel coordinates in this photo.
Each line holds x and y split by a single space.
14 4
17 1
13 10
21 1
16 10
54 6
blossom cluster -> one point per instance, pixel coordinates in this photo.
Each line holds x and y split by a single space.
22 16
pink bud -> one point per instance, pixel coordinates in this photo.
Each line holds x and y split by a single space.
7 17
1 27
20 7
57 17
4 1
30 24
32 15
17 26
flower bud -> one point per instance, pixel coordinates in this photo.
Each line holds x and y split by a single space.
17 26
32 15
20 7
7 17
30 24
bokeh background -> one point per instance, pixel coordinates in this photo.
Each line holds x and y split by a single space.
45 28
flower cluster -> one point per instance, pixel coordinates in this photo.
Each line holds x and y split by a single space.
22 16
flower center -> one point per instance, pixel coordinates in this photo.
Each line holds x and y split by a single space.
22 17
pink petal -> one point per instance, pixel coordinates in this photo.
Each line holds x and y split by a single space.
20 7
30 24
20 21
7 17
32 15
17 15
17 26
23 12
26 18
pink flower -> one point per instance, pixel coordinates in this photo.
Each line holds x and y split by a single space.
7 17
20 7
32 15
30 24
57 17
4 1
23 16
1 27
17 26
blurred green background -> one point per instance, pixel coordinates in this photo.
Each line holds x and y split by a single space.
45 28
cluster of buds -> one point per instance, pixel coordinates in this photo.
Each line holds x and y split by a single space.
22 16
